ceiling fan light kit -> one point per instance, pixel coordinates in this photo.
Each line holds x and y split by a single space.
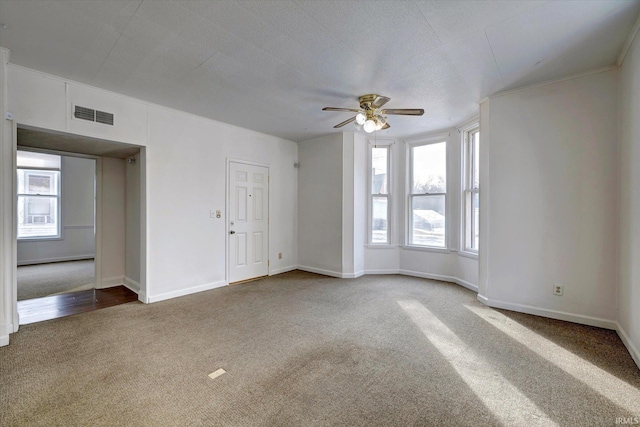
370 116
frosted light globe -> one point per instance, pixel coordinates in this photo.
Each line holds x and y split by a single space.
369 126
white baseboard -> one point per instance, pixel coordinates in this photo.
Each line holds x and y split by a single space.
183 292
466 284
353 275
132 285
552 314
110 282
4 340
320 271
357 274
142 297
426 275
633 351
440 277
283 270
56 259
9 328
389 271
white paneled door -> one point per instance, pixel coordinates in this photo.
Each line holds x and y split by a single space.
248 221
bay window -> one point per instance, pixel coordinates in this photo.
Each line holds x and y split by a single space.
379 195
471 189
427 194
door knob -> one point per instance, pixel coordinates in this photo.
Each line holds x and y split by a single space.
232 232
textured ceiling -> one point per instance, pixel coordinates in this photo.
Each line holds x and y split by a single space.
272 65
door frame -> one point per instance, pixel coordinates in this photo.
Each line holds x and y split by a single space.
9 241
228 209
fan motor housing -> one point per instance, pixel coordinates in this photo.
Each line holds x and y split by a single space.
366 100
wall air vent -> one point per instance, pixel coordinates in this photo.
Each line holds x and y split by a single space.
84 113
92 115
105 118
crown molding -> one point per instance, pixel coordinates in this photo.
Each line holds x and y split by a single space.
551 82
628 42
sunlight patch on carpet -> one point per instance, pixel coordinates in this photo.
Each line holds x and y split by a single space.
502 398
607 385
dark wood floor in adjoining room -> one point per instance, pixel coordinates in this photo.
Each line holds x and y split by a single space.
55 306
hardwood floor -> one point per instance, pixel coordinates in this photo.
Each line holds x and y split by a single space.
55 306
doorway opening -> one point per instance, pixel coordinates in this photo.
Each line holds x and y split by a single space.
78 222
56 248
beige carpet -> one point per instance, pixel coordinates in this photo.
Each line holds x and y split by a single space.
303 350
41 280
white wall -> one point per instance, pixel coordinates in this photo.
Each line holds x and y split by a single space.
77 226
354 211
629 238
553 159
320 198
348 205
45 101
132 224
112 246
186 179
360 169
485 191
183 177
8 292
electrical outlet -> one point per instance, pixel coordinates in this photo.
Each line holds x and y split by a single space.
558 289
279 255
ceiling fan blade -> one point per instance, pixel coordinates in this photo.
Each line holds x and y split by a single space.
353 110
346 122
379 102
386 126
404 111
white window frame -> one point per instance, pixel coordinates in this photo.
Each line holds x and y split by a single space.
436 139
468 190
379 144
33 170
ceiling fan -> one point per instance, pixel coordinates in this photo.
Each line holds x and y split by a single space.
370 116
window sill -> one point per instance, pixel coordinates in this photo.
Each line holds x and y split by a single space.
39 239
428 249
471 255
370 246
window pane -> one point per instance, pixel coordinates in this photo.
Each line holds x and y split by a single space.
379 209
379 176
429 167
427 221
38 182
28 159
475 215
37 216
476 159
